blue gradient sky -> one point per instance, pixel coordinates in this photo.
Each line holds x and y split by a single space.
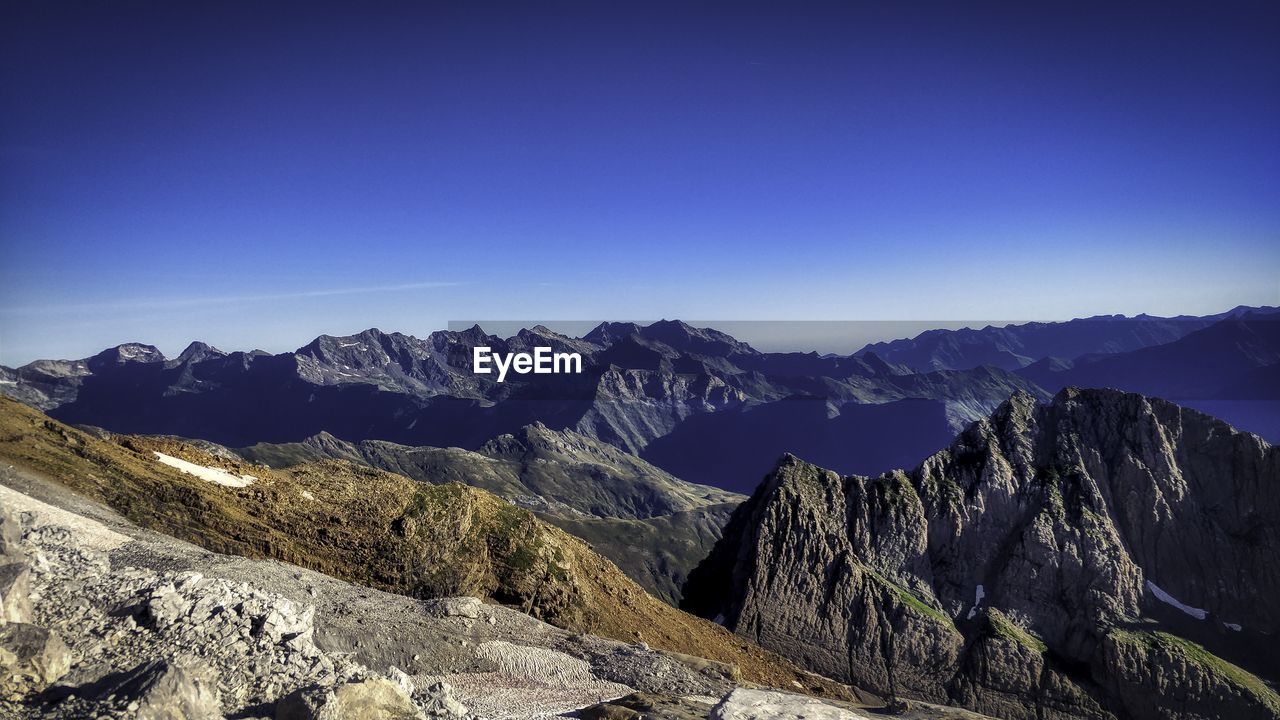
253 174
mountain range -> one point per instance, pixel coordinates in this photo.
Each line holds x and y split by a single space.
1016 346
675 395
1096 553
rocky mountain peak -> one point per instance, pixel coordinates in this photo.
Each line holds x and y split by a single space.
198 351
1094 526
607 333
687 338
126 353
879 366
541 336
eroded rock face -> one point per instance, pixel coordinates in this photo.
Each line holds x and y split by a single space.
997 574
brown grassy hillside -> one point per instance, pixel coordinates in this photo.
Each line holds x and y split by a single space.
382 530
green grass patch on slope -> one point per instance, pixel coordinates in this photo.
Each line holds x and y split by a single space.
1002 626
910 600
1195 653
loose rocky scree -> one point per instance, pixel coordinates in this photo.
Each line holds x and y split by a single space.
91 641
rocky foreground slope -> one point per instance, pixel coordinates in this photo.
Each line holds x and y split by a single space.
383 531
108 620
1102 555
101 618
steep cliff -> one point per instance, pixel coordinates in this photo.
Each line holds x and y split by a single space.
1103 554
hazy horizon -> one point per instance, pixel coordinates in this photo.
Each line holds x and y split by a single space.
842 337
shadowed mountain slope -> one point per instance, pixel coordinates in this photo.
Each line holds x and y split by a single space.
1102 555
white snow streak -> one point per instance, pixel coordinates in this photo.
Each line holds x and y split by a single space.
1168 599
1234 626
213 475
978 593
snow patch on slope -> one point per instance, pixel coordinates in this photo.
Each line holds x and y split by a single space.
1168 599
213 475
978 593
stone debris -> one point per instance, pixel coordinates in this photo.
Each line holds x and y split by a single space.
150 644
463 607
132 635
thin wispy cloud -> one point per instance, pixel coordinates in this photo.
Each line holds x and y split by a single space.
220 300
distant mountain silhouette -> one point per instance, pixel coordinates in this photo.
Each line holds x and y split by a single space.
694 401
1230 369
1016 346
640 383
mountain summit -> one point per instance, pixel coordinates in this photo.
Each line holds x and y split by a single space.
1101 555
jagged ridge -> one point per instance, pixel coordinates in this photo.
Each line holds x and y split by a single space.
1016 572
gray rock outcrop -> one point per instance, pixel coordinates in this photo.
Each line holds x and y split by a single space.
374 699
156 645
31 657
1101 555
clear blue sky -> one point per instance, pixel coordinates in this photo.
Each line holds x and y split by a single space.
255 173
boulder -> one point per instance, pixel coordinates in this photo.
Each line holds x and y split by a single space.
645 705
169 690
438 703
15 593
370 699
10 534
286 620
743 704
463 607
31 659
164 607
